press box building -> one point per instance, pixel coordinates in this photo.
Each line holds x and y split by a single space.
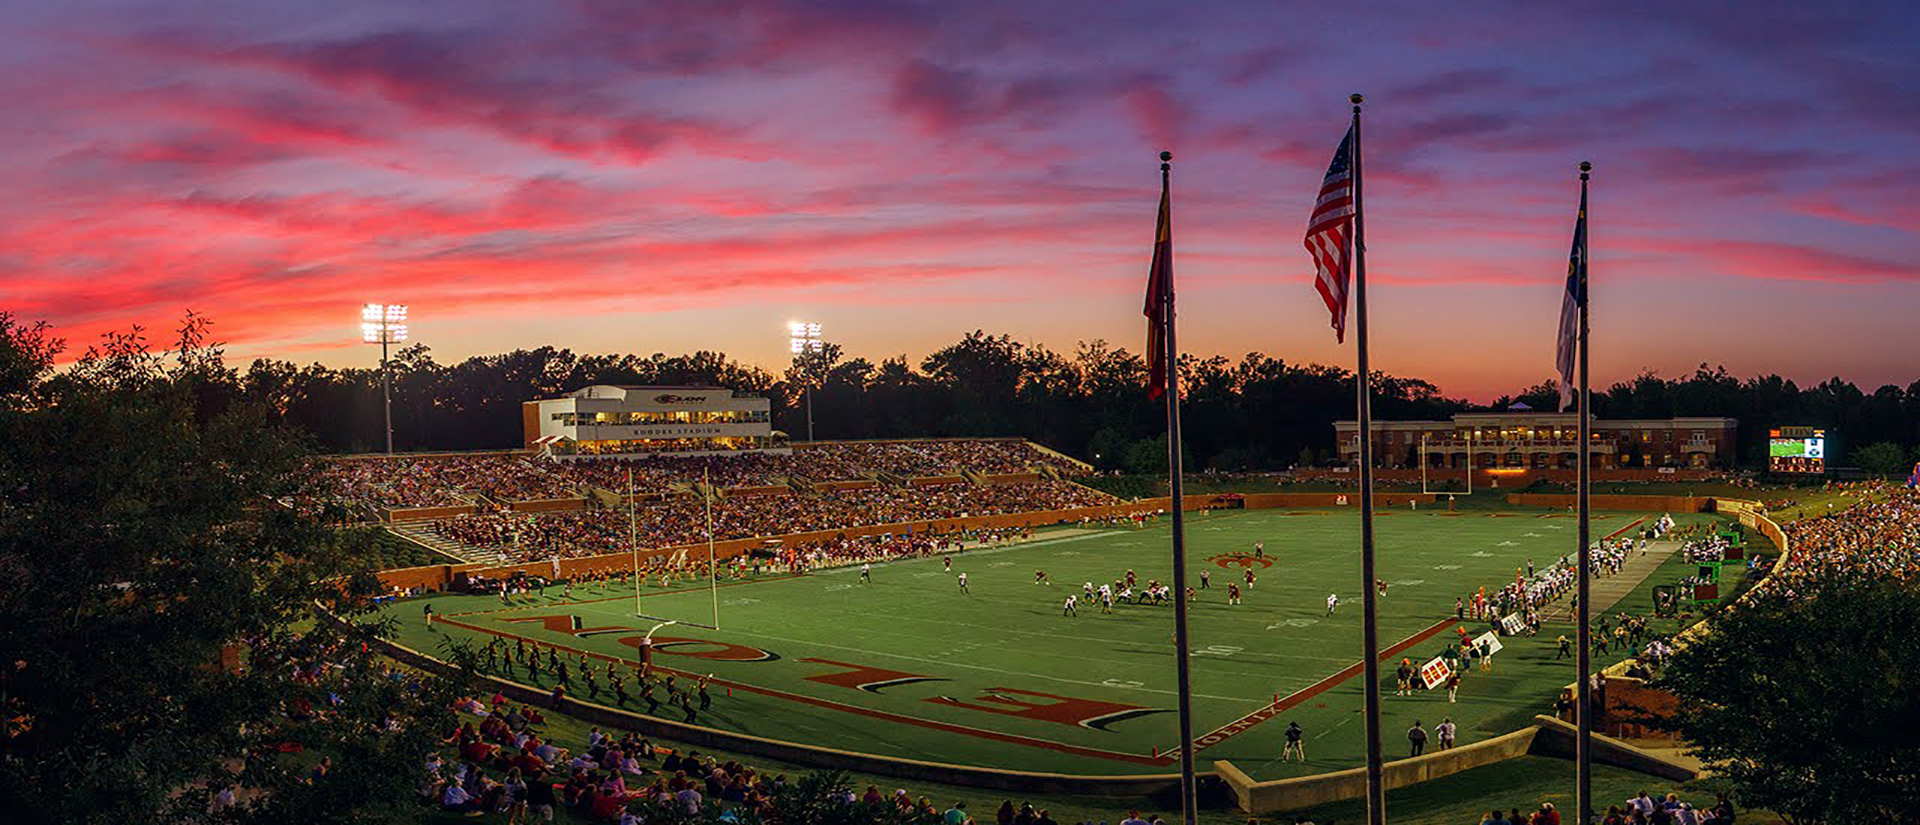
610 420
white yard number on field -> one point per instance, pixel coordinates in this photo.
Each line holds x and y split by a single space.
1218 650
1117 683
1446 567
1293 623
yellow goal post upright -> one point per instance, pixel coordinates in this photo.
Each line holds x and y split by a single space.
1423 470
633 543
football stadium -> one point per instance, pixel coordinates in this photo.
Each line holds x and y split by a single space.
979 612
778 413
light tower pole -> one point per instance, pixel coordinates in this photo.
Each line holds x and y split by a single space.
804 339
384 324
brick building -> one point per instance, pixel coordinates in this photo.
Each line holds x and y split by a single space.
1520 437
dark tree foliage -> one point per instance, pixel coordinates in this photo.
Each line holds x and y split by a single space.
1882 458
159 609
1258 412
1806 704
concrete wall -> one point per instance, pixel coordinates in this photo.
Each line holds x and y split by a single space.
1489 478
1557 738
1664 504
1308 791
935 481
1547 737
548 505
1261 501
425 513
431 576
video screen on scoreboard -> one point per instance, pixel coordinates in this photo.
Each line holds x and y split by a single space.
1797 450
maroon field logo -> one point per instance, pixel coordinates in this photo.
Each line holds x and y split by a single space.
1241 560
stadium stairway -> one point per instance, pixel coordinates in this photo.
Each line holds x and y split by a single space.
421 533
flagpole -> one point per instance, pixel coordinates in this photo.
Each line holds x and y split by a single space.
1188 809
1370 612
713 580
633 540
1583 713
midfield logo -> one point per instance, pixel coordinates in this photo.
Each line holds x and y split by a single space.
1241 560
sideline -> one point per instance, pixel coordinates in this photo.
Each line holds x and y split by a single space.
1251 720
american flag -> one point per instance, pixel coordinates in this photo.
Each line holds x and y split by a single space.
1570 304
1328 232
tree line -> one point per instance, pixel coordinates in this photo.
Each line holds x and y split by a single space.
1255 413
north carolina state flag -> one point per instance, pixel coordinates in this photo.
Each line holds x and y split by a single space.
1159 310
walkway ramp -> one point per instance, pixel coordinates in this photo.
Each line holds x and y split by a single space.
1607 591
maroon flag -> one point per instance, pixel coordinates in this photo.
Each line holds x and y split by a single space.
1159 309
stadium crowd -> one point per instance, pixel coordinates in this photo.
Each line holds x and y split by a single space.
387 484
1878 539
427 481
682 520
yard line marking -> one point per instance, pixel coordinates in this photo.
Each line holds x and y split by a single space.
949 623
974 667
1248 721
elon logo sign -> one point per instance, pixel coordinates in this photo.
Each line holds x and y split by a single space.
1240 560
679 399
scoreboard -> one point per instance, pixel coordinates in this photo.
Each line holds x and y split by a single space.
1797 450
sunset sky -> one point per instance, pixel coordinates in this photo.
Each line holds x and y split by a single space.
616 175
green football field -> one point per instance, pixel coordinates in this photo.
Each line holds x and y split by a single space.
911 666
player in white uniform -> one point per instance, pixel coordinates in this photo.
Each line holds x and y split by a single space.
1067 609
963 584
1333 601
866 573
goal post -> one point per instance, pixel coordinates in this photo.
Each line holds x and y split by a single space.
1451 495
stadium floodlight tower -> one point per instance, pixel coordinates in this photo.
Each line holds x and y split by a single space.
384 324
804 339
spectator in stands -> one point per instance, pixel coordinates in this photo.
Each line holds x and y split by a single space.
957 815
